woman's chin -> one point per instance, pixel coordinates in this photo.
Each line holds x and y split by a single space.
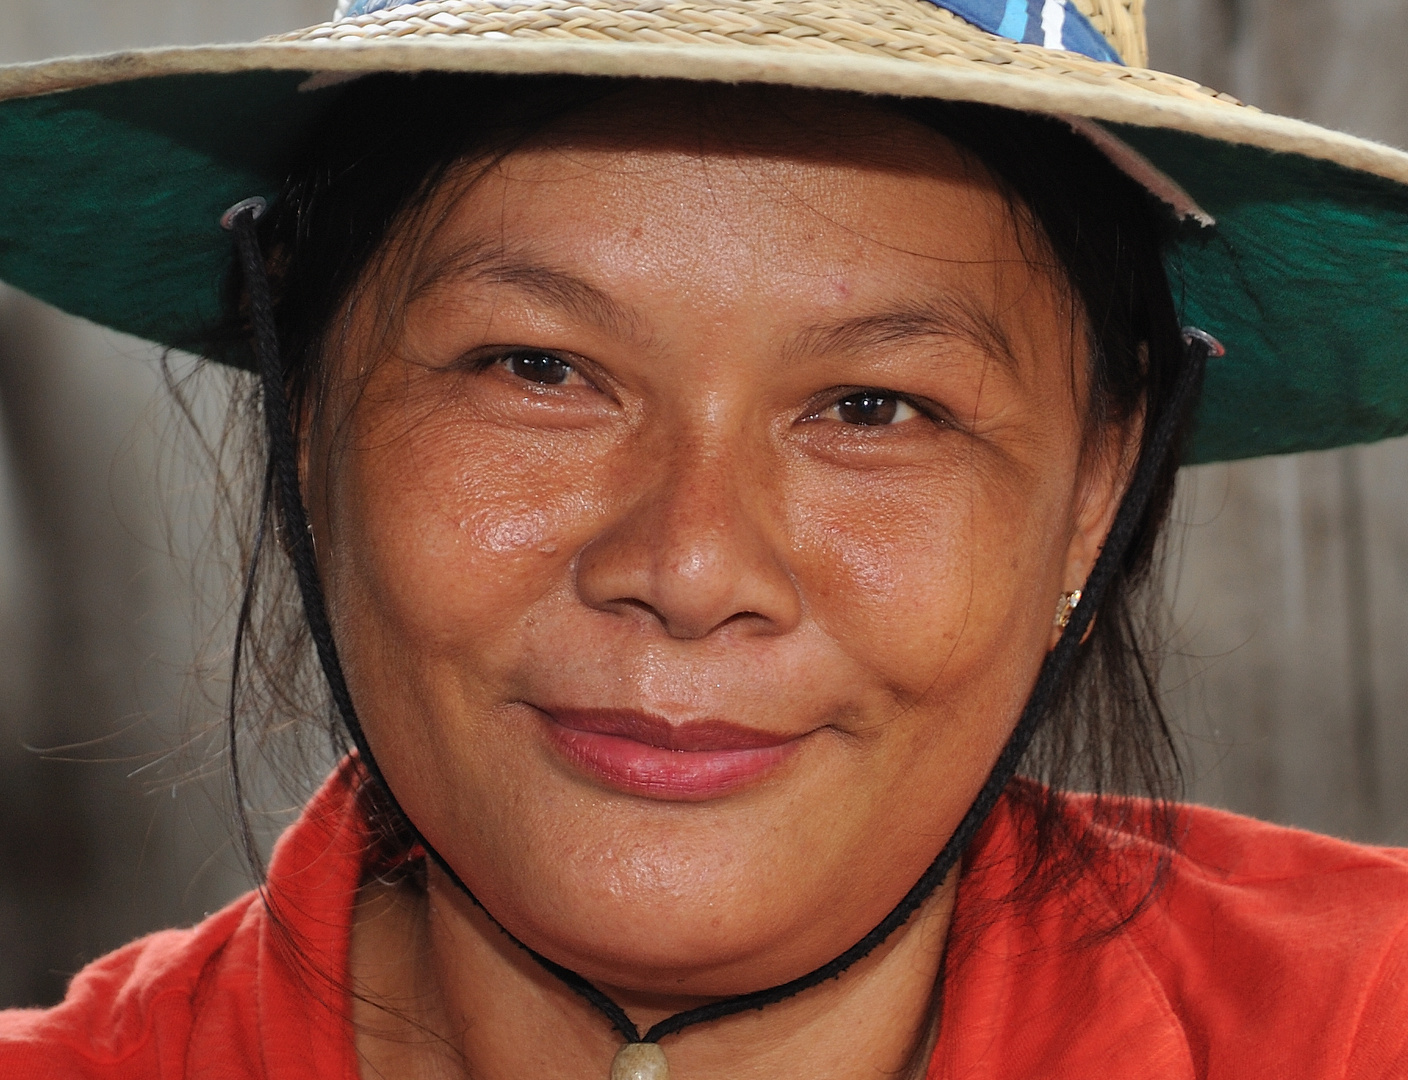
655 871
702 927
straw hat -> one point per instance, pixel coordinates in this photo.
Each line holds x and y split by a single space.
114 170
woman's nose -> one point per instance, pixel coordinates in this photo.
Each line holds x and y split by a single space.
700 549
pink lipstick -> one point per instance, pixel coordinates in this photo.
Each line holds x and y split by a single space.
645 755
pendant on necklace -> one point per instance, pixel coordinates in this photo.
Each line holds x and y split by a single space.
640 1061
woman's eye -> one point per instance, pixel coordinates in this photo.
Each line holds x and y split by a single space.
871 408
542 368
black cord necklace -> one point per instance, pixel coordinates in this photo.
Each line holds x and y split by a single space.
641 1058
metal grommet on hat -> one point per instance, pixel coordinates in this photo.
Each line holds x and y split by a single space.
256 203
1215 347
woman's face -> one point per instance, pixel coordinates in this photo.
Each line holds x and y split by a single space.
693 533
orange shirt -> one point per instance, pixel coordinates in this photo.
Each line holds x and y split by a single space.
1270 953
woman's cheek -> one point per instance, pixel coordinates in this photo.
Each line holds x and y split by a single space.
900 584
469 540
880 565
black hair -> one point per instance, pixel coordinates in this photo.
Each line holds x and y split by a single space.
382 151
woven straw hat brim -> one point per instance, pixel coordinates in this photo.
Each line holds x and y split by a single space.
123 163
895 52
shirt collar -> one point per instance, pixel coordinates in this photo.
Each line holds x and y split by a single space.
1030 991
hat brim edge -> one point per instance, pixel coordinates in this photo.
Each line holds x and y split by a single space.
1007 86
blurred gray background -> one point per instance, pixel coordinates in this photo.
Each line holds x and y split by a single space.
1289 675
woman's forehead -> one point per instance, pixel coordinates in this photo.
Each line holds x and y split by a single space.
802 126
806 208
806 253
825 181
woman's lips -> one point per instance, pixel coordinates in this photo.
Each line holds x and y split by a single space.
645 755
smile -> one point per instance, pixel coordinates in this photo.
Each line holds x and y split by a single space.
644 755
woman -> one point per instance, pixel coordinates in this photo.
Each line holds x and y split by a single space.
702 499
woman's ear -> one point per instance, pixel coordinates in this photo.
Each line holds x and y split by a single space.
1106 469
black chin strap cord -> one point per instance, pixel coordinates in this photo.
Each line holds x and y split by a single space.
284 482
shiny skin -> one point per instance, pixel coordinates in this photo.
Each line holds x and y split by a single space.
598 437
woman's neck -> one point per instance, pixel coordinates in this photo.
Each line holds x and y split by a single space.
441 993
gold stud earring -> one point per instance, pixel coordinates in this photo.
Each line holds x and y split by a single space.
1065 606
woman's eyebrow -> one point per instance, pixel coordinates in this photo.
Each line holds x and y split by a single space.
936 319
477 263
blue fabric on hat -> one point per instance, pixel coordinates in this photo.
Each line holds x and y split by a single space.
1056 24
1014 20
1052 23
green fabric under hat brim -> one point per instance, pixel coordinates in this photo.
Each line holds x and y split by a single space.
112 195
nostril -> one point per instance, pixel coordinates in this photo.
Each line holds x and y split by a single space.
685 628
678 623
630 603
744 616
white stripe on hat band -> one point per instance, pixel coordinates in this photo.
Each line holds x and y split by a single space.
1053 23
